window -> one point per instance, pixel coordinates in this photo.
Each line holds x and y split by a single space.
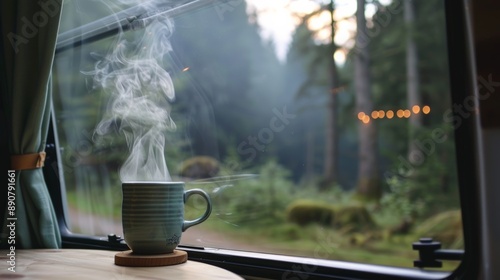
345 159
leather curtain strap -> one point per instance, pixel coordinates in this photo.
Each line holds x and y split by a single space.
27 161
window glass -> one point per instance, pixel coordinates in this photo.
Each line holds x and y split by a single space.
339 151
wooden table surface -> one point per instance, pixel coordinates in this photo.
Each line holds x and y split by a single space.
69 264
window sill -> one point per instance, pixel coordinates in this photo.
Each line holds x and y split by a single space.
252 265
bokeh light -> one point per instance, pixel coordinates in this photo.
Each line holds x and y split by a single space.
426 109
361 115
415 109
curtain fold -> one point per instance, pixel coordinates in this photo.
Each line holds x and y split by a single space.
29 32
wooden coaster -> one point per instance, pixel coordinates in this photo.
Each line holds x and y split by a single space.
127 258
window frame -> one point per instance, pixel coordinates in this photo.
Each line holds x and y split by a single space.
250 264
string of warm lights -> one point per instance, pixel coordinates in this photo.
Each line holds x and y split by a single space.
389 114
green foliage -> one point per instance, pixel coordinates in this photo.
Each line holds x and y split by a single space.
333 194
401 199
261 199
353 218
303 212
287 232
445 227
427 185
368 189
199 167
346 218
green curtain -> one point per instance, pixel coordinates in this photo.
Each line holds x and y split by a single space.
29 32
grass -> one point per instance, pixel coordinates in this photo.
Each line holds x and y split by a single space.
317 241
95 206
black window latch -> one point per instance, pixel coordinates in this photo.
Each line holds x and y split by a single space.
431 254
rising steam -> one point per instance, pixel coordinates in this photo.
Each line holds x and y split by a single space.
140 90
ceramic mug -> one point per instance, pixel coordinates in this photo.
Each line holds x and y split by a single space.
153 215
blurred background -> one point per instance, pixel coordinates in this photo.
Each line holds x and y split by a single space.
319 128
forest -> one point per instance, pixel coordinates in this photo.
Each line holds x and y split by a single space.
298 153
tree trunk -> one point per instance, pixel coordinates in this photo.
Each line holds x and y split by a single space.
412 82
330 165
309 154
368 186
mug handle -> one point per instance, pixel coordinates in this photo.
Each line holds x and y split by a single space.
187 194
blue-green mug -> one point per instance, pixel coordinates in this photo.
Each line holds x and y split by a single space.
153 215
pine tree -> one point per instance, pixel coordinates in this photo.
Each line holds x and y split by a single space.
368 185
